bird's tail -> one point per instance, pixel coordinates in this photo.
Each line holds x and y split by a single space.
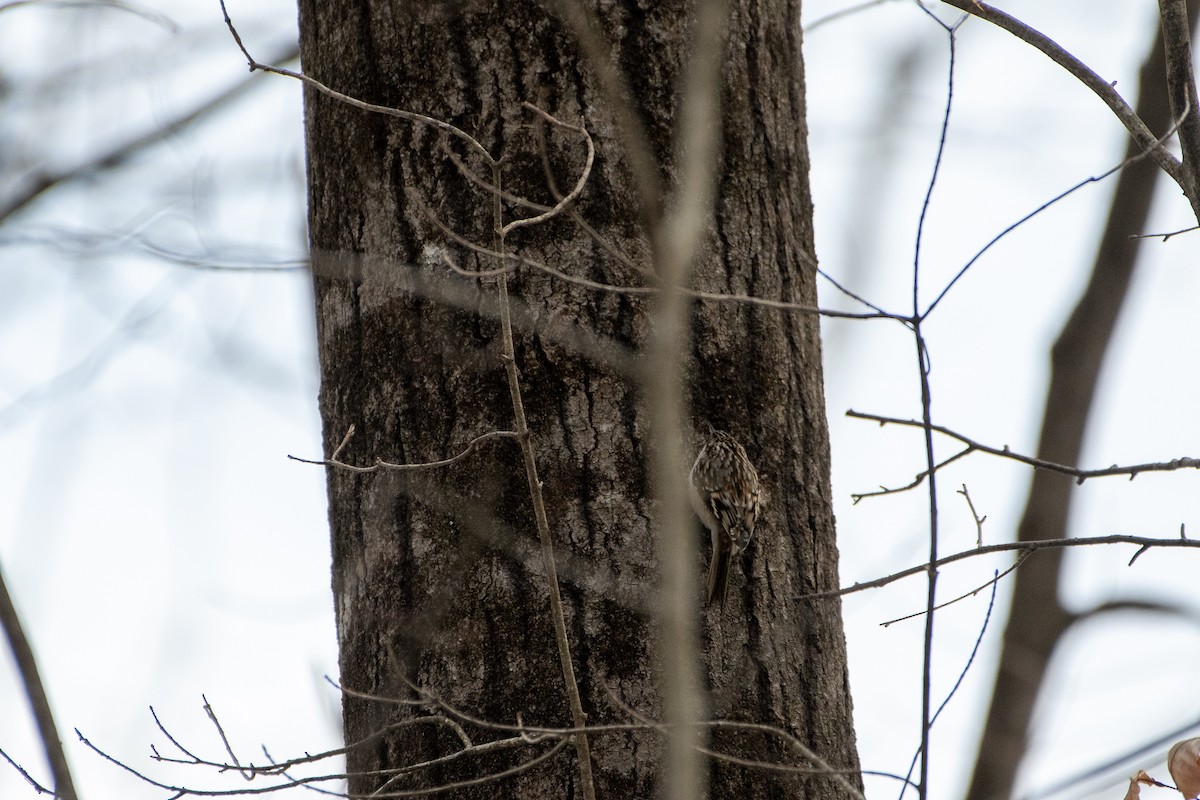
718 571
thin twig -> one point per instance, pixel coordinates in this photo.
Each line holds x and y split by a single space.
579 184
922 363
170 738
1080 475
181 791
1013 568
605 243
1130 160
821 767
441 125
37 787
525 438
858 298
1018 547
291 783
279 767
974 516
212 716
718 297
1165 236
380 464
966 667
485 779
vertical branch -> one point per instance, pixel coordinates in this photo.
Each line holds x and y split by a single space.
679 649
932 573
64 786
927 419
676 241
1181 86
578 717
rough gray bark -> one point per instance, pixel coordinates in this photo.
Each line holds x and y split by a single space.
435 575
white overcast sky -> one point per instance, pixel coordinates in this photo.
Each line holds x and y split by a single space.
160 545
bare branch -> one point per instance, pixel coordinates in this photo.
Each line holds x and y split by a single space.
193 758
1130 160
1103 89
1080 475
525 438
675 240
1142 606
573 212
995 579
380 464
579 184
37 787
975 516
922 365
719 297
1038 619
490 778
921 476
643 723
1181 88
821 766
782 305
35 691
1165 236
410 116
483 183
970 659
853 296
182 791
276 768
212 716
39 184
1017 547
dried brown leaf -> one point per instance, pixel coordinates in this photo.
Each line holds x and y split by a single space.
1183 762
1135 790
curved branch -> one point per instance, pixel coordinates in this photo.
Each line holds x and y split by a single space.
1103 89
410 116
1145 606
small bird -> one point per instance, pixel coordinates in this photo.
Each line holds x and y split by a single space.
726 498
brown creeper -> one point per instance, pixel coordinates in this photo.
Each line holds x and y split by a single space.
725 496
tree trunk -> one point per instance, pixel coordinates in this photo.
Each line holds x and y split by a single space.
436 575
